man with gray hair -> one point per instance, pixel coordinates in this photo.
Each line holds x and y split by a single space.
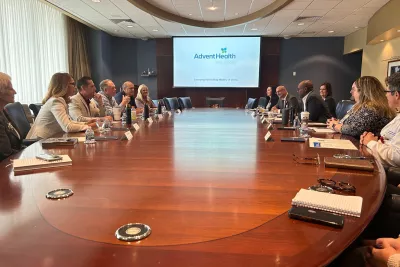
107 92
128 89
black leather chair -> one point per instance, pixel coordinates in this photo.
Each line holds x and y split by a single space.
252 103
343 107
28 113
35 108
210 101
185 102
171 103
16 114
155 102
262 102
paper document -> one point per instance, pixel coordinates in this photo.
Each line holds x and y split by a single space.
322 130
331 143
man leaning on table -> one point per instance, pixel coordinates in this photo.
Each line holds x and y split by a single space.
285 100
83 106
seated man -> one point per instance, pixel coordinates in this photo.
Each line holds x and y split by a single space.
386 147
128 89
312 102
107 92
285 100
82 106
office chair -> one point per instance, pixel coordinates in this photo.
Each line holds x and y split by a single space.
35 108
210 101
262 102
252 103
343 107
185 102
171 103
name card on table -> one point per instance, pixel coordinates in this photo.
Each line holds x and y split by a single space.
262 117
267 136
178 111
264 120
169 113
160 116
128 135
150 120
269 126
136 126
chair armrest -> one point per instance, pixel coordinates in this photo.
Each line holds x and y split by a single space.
28 142
393 176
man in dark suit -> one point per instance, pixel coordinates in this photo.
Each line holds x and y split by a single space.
312 102
285 100
128 89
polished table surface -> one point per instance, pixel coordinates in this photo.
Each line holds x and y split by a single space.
213 191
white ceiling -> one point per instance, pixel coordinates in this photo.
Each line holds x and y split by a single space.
341 16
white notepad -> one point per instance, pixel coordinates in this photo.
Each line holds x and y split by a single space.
36 164
347 205
331 143
322 130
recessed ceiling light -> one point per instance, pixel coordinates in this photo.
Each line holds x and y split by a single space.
155 30
356 27
212 8
331 31
190 14
398 30
236 14
130 26
301 24
96 1
254 29
382 40
116 30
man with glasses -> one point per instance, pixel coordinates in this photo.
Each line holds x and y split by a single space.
285 100
107 93
312 102
128 89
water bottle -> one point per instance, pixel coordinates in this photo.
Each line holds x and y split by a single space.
159 108
133 113
146 112
89 136
304 128
296 122
128 118
123 118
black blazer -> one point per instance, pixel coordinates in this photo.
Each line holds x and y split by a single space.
331 105
273 100
292 103
118 99
317 107
10 142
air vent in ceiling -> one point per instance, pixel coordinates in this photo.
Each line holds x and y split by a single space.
126 21
308 19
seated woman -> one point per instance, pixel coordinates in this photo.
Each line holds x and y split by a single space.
370 113
53 117
272 99
325 90
143 98
10 141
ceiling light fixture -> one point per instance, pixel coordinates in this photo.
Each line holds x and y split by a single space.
96 1
155 30
301 24
356 27
331 31
130 26
212 8
382 40
398 30
236 14
190 14
254 29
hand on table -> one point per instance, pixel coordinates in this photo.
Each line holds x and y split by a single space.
92 124
387 247
366 137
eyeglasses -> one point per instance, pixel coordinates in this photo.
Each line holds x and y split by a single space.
331 186
310 161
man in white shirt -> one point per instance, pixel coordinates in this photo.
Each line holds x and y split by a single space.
285 100
83 106
108 91
386 147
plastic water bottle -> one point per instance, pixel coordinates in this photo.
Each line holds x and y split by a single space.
133 114
296 122
89 136
304 129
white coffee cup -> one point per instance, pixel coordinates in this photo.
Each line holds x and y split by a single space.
117 113
305 115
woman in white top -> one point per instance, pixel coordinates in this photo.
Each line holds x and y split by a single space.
143 97
53 117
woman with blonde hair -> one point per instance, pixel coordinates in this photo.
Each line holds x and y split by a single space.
143 98
53 117
370 113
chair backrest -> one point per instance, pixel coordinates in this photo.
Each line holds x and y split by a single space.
185 102
171 103
262 102
210 101
252 103
35 108
28 113
343 107
155 102
15 112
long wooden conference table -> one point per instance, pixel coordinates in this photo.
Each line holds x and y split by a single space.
213 191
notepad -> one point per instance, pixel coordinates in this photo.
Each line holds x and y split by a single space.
332 143
322 130
347 205
36 164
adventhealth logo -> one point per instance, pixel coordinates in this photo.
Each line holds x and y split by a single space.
222 55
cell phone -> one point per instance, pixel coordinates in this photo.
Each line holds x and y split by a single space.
293 139
287 128
316 216
49 157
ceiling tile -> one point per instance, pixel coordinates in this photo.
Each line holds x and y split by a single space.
323 4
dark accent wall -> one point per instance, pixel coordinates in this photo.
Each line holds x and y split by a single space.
121 59
320 60
235 97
